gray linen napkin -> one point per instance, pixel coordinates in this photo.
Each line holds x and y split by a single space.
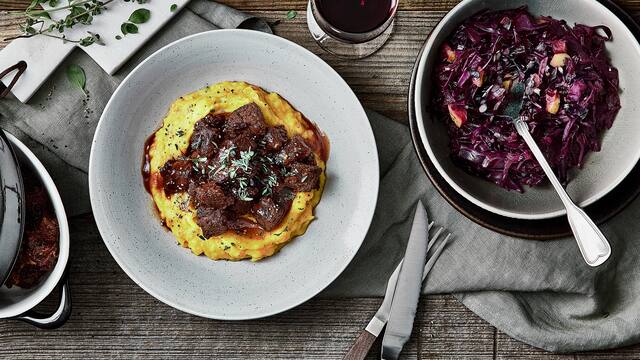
541 293
538 292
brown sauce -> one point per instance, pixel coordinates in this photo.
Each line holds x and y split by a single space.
320 143
146 163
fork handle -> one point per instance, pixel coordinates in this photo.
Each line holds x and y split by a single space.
361 347
593 245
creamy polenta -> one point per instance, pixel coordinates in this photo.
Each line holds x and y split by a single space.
177 210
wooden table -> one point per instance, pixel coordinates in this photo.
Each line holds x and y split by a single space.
114 318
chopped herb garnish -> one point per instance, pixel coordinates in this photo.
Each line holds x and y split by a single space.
232 173
244 161
226 153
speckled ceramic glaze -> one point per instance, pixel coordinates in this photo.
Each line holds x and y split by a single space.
602 172
125 213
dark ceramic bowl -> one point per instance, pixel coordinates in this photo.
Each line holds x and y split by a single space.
539 229
603 170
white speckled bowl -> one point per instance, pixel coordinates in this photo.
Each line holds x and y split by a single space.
603 170
17 302
125 214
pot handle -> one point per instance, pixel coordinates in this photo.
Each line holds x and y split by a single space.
57 318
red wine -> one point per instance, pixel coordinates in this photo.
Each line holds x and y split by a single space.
356 16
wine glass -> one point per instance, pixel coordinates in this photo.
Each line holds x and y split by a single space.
351 28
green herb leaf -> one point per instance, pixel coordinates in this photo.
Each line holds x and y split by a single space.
43 14
76 77
87 40
91 39
140 16
173 7
128 28
291 14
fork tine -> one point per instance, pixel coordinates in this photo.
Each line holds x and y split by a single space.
434 238
431 225
431 242
434 257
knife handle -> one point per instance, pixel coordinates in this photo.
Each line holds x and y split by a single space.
361 347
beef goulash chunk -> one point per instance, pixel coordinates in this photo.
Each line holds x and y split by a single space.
176 175
241 173
40 242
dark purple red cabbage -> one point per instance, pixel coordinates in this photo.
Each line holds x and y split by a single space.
497 46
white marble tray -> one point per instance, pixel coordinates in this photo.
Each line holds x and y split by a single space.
110 56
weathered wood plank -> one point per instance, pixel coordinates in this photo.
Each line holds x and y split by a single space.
413 5
114 318
284 5
627 353
13 4
8 26
448 330
508 348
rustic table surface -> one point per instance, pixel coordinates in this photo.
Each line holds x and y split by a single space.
114 318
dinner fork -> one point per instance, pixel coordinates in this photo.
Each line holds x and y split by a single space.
368 336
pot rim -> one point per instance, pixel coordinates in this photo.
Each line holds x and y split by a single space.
33 297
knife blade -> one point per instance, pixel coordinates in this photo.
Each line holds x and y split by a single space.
381 317
367 337
407 292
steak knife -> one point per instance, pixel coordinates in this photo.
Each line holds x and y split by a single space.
407 293
368 336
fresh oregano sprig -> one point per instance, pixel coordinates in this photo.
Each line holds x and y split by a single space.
38 21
